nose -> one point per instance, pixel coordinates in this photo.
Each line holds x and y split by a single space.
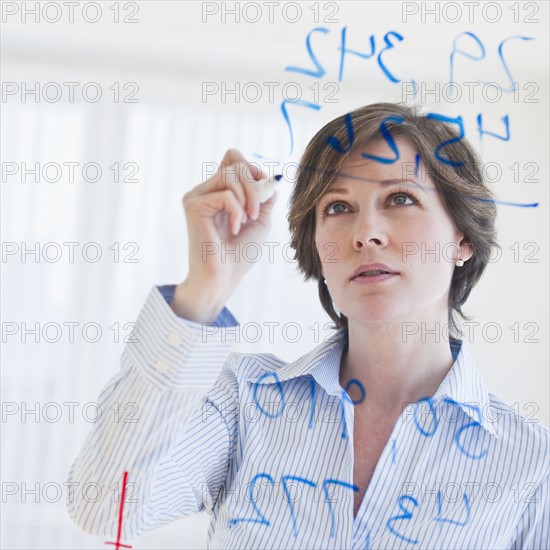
369 231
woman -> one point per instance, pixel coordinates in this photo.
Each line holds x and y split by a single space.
385 436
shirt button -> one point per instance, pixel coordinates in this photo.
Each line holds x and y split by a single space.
161 367
174 340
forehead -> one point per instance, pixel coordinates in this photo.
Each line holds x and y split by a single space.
358 167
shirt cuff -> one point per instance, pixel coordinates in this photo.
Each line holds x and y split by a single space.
224 319
174 353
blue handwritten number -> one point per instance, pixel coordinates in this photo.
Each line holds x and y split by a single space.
335 143
505 65
406 515
344 50
355 382
468 426
478 42
284 479
469 56
389 46
281 391
440 518
262 520
481 131
460 124
475 408
345 395
461 447
326 483
320 71
301 103
430 402
389 140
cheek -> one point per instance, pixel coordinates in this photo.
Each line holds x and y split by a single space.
330 246
430 245
436 232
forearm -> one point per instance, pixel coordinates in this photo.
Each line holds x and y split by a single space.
154 401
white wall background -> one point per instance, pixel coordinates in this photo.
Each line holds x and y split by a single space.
170 53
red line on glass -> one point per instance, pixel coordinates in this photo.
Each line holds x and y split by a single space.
118 544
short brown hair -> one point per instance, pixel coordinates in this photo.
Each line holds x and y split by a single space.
467 199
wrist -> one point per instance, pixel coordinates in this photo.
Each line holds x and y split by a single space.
196 303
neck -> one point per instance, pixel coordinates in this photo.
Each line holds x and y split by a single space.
395 366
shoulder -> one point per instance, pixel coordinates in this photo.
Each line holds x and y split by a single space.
505 414
521 434
253 365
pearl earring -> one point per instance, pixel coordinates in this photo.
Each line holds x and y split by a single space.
325 281
459 263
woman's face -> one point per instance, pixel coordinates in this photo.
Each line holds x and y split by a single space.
396 219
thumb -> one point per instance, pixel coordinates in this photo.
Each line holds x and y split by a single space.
267 207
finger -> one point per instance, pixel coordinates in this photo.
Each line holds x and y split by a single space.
267 207
227 201
250 187
257 171
228 179
219 201
234 156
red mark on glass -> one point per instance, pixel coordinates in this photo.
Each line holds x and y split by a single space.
118 544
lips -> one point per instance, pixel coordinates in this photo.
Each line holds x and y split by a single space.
373 270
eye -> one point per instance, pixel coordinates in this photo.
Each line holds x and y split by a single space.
335 207
401 198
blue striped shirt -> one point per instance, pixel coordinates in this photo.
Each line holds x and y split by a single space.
266 448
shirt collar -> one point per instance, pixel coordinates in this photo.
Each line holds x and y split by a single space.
322 355
463 385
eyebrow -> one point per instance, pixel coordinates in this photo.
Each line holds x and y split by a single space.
384 183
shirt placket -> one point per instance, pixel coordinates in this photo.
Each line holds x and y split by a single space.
367 526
